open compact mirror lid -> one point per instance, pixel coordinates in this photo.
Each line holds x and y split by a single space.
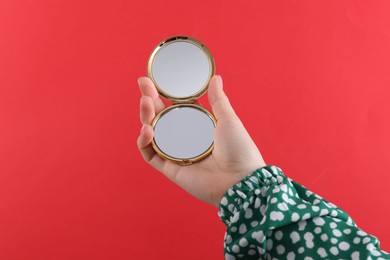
181 68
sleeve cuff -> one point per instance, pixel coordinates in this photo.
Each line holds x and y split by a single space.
242 194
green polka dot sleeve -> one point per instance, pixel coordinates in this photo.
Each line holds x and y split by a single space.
269 216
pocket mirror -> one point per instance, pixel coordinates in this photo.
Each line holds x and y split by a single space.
181 68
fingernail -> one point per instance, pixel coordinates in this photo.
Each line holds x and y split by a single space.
143 128
139 79
220 81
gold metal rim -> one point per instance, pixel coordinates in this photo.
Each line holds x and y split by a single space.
181 39
186 161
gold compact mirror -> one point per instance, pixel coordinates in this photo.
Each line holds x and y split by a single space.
181 68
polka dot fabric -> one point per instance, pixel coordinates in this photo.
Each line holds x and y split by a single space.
269 216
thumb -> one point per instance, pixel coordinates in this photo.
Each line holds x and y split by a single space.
218 100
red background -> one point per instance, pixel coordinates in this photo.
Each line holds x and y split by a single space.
310 80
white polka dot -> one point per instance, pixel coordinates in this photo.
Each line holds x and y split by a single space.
235 249
349 220
276 215
233 229
334 213
302 225
285 197
269 244
259 236
294 217
291 202
263 220
344 246
375 253
264 192
370 246
257 203
280 249
242 229
337 233
315 208
229 257
262 209
333 240
309 239
334 250
228 239
306 216
321 251
240 193
333 225
308 258
324 237
324 212
254 223
235 218
283 206
301 206
361 233
248 213
347 231
273 200
355 255
317 230
278 235
356 240
254 179
319 221
224 201
249 184
251 252
243 242
366 240
295 237
284 188
301 250
291 256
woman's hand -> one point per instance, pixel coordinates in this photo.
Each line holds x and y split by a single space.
233 158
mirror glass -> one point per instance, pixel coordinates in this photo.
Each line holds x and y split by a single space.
184 132
181 69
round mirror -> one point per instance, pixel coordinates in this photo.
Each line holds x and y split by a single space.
181 68
184 133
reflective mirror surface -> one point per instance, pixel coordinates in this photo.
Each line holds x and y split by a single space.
181 69
184 132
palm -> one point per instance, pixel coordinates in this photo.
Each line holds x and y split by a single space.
234 155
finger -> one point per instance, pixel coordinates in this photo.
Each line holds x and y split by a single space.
146 149
147 88
218 100
147 112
